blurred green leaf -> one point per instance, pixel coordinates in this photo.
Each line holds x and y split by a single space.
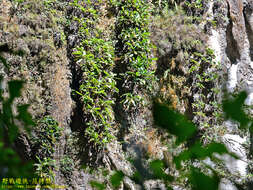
3 60
97 185
198 151
233 108
12 132
116 178
137 177
25 116
7 114
157 167
174 122
1 88
216 148
10 162
200 181
15 87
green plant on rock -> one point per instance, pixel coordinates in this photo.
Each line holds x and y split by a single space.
67 166
95 56
196 4
206 71
134 49
45 167
195 9
47 135
160 5
130 100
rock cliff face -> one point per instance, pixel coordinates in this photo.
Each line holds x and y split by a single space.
201 52
232 44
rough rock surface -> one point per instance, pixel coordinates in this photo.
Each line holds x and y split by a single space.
232 42
43 33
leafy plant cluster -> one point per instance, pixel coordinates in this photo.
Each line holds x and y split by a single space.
196 4
159 5
133 49
205 72
193 8
48 134
196 9
44 142
66 166
95 56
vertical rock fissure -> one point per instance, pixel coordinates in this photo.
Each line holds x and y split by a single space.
231 49
249 30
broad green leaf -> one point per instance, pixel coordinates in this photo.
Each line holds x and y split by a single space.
200 181
157 167
97 185
174 122
116 178
15 87
233 108
25 116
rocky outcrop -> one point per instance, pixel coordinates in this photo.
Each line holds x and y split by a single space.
31 28
188 74
232 41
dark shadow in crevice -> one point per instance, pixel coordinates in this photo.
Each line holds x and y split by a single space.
232 47
249 33
77 120
121 116
163 63
189 110
78 125
23 147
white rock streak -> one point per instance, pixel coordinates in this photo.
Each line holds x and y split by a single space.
249 99
234 144
232 78
214 44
